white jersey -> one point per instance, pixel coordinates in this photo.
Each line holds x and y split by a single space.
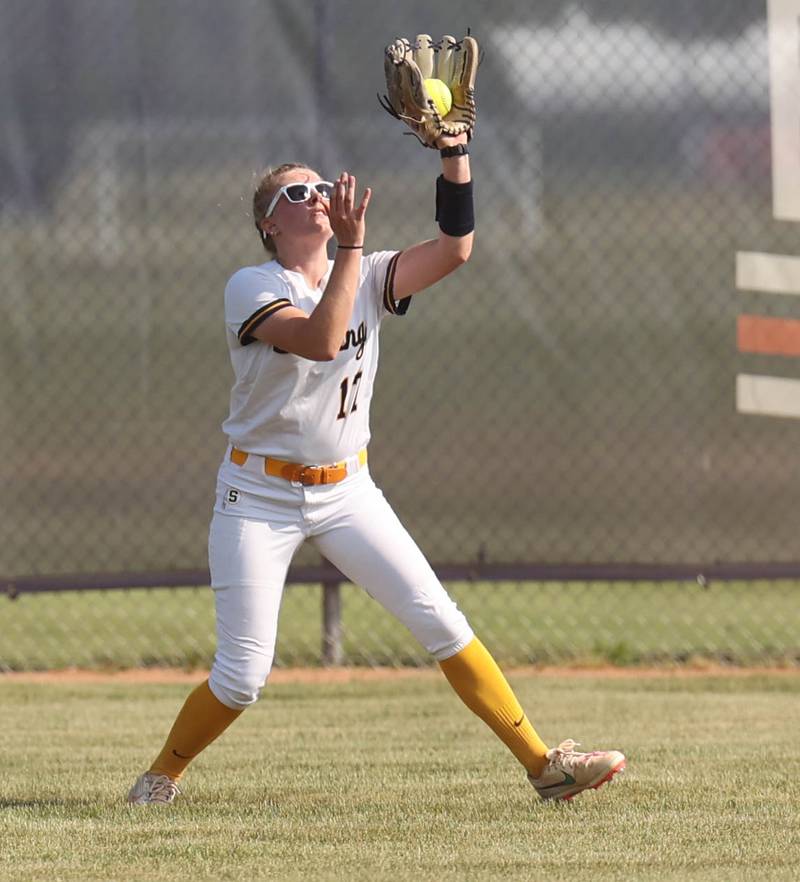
289 407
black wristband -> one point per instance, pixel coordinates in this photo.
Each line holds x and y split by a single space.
350 247
455 212
455 150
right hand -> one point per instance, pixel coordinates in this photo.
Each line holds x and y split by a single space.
348 220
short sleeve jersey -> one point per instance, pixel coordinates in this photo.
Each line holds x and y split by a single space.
290 407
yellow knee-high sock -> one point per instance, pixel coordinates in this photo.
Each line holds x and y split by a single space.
480 684
202 718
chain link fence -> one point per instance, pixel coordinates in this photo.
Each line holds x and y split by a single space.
606 391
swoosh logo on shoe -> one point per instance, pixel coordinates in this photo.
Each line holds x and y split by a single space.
568 779
181 756
519 722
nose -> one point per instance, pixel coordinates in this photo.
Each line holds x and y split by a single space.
317 202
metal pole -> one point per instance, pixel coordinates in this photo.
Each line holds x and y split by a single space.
331 624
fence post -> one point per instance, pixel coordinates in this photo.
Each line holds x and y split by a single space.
331 623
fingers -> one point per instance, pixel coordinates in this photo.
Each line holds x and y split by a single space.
337 200
343 200
346 191
362 208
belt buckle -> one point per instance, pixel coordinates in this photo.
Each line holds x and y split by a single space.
306 475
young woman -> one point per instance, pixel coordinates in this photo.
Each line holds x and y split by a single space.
303 337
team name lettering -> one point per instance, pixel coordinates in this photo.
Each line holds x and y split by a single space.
355 337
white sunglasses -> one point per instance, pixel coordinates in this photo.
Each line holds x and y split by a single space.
301 192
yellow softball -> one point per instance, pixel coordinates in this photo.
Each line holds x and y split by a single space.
440 95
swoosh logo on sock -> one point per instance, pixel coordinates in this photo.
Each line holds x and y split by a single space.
519 723
568 779
181 756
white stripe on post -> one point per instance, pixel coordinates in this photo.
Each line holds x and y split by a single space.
768 396
773 273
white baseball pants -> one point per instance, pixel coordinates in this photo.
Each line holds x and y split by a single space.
260 521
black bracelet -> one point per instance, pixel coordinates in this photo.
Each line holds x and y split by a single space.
350 247
455 150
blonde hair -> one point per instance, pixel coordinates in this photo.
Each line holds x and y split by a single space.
263 196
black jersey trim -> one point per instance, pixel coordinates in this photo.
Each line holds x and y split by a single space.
391 305
249 325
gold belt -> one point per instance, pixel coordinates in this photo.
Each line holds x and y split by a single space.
307 475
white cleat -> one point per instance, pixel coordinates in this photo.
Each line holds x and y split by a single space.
152 788
568 772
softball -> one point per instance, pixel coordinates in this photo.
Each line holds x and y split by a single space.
440 95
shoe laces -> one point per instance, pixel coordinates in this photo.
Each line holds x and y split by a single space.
163 789
565 754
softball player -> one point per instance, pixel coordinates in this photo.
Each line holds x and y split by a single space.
303 337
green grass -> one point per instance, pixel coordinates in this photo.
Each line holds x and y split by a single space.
395 780
523 623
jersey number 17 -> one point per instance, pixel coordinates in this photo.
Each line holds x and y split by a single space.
344 388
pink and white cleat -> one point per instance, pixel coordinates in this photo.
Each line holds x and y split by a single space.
568 772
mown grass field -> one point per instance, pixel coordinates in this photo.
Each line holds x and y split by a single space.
745 623
395 780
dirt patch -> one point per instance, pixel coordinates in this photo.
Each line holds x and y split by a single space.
366 675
